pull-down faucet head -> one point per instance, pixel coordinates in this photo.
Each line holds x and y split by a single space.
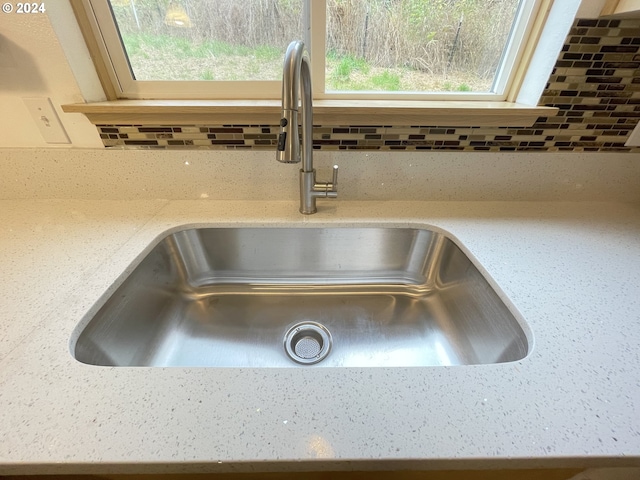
288 138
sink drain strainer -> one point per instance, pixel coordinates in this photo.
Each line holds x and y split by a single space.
307 342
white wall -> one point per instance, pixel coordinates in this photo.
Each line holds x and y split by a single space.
590 8
33 64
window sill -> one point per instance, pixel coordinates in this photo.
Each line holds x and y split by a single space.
325 112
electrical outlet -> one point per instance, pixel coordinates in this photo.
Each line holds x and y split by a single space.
46 118
634 138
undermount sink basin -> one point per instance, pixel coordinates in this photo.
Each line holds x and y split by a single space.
302 297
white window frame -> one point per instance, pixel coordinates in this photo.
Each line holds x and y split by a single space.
116 61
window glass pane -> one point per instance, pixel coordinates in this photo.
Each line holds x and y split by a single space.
416 45
207 39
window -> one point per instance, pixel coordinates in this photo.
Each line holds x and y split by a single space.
359 49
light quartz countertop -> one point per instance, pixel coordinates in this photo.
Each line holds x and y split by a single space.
572 271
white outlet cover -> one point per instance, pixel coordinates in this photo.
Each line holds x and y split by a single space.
46 118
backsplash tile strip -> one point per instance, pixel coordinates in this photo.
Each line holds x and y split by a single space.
595 85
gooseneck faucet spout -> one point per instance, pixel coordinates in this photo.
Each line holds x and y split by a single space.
296 76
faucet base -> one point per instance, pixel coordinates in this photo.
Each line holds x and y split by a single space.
307 192
310 190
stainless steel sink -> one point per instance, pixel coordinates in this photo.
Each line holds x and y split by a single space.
306 297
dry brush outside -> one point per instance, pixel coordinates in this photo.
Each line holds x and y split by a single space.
371 45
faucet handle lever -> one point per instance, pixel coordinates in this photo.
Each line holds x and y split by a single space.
334 181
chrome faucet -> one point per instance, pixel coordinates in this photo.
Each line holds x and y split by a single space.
296 74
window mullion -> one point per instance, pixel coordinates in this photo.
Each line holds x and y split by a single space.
317 32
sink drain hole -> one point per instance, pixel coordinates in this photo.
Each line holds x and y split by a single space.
307 342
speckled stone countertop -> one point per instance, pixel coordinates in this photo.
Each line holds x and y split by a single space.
572 270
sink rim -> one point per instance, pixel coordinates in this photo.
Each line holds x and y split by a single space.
88 316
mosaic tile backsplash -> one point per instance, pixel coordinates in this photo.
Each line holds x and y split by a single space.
595 84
